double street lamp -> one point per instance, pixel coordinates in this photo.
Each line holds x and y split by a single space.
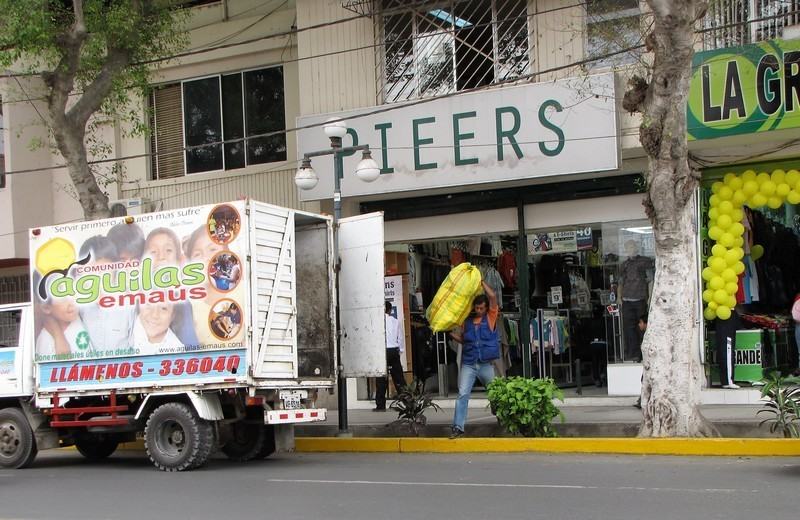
306 179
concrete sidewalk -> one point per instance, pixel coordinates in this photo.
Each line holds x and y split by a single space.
580 421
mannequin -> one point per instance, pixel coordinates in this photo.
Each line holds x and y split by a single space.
634 282
726 348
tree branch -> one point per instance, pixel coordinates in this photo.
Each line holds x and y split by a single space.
95 93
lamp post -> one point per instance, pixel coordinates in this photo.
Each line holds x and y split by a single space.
306 179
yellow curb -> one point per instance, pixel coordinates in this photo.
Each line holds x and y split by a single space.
622 446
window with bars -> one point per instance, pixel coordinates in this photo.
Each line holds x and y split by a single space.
612 31
730 23
217 123
15 289
433 48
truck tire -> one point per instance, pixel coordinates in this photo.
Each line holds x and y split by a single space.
17 443
96 447
268 448
246 442
176 439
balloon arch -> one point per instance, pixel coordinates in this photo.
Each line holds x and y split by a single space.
725 228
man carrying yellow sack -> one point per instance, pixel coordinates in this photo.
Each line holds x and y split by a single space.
480 346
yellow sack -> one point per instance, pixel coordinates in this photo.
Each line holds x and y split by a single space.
453 301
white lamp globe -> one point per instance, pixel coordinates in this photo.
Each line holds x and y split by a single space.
367 169
306 178
335 128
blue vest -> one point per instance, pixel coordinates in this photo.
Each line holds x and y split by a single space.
481 343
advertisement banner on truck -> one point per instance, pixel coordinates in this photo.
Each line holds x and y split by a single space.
148 290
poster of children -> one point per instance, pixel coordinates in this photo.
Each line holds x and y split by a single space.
161 283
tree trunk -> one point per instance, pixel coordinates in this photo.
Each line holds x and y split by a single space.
70 142
672 370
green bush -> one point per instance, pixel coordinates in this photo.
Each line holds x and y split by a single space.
525 406
782 396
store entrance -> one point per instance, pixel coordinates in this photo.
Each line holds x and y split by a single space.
574 298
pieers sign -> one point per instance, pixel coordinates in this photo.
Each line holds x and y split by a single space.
742 90
504 134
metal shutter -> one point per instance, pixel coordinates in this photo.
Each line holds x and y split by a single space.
167 140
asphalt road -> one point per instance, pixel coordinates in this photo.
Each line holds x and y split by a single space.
61 485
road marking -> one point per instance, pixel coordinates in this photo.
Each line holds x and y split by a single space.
494 485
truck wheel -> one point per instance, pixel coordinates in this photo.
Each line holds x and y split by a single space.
17 443
96 447
176 439
268 448
246 442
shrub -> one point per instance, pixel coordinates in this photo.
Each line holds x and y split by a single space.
410 403
525 406
783 404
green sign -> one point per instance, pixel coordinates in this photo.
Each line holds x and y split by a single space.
743 90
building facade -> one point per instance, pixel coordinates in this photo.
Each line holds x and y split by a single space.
498 127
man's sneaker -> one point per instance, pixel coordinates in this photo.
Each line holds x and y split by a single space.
376 409
732 387
455 433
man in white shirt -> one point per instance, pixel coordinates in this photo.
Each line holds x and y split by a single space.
395 340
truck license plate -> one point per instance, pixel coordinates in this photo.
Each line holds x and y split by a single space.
292 402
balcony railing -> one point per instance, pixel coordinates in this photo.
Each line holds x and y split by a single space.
730 23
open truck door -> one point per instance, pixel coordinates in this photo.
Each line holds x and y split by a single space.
361 296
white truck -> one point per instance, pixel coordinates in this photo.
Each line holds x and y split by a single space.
201 328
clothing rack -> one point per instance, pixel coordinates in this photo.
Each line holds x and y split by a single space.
545 356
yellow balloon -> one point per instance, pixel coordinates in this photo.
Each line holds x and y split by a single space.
716 186
756 252
749 175
763 177
736 229
726 239
778 176
716 283
759 200
718 265
708 274
774 202
728 177
726 207
782 190
767 188
731 303
731 288
739 253
739 198
793 197
750 188
737 215
708 295
735 183
728 276
713 213
714 233
739 242
725 193
732 256
718 250
720 296
710 314
738 268
792 177
714 201
724 221
723 313
797 186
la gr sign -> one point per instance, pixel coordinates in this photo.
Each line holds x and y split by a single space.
743 90
506 134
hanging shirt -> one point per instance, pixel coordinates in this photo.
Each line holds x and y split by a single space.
507 266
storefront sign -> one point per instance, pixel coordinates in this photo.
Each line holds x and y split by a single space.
512 133
560 241
743 90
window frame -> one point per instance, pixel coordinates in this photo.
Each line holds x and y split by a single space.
154 177
416 12
609 16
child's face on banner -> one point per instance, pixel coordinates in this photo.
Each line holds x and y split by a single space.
162 249
62 309
156 318
203 249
